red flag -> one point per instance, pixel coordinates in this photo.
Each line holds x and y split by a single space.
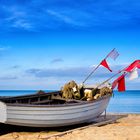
135 64
104 63
121 83
138 66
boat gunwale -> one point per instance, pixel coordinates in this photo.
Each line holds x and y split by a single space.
28 95
60 105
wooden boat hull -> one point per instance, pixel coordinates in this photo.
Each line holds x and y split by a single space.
52 115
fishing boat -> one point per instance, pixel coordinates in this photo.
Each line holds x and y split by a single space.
57 108
54 110
49 110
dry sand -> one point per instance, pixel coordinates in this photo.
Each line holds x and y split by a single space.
127 128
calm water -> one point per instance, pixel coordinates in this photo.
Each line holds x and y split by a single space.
125 102
122 102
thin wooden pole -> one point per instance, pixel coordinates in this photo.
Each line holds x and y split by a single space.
108 79
95 68
91 74
125 73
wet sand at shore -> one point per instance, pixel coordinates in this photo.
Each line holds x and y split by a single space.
127 128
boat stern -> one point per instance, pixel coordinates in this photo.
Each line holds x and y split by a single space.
3 112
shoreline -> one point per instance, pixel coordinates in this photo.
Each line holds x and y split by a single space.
124 128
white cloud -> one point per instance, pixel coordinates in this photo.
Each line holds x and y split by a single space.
56 60
8 77
14 15
20 23
60 16
18 18
64 17
32 14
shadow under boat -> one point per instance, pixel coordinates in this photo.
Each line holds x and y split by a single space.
99 121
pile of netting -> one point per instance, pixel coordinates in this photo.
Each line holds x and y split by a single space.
72 91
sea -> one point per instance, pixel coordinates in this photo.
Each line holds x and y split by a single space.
121 102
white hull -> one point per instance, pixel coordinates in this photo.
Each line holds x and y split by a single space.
52 116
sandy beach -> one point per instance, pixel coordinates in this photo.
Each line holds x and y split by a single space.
127 128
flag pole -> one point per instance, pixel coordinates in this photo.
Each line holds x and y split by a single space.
91 73
95 68
125 73
109 79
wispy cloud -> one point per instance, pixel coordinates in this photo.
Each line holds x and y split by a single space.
71 72
15 67
63 72
17 17
20 23
8 77
69 14
14 14
63 17
57 60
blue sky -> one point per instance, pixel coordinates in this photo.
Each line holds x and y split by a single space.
44 44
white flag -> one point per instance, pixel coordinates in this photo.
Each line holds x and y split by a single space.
113 54
133 74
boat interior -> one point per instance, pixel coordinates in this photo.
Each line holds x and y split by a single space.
39 98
